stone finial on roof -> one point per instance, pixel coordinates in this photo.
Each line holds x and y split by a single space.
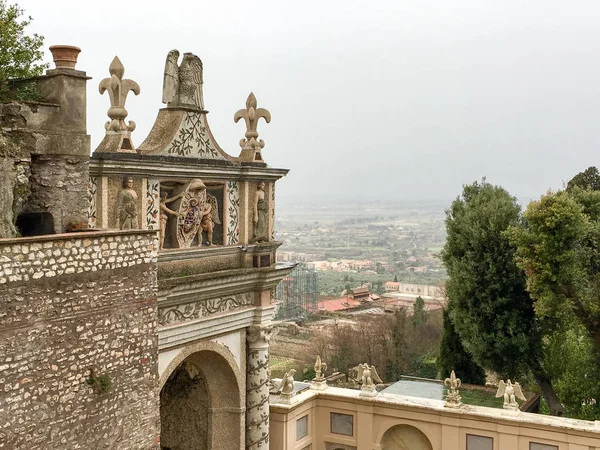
118 89
319 382
118 133
251 147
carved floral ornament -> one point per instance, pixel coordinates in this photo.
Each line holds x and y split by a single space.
251 147
118 89
203 308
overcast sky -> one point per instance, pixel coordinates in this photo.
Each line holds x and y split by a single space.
369 99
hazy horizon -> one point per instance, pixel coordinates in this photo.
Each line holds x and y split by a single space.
370 99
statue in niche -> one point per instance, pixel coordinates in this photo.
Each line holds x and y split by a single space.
127 200
164 214
182 84
210 217
261 215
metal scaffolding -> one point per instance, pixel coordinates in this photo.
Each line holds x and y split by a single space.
298 293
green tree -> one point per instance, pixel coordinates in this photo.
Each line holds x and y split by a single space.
453 356
397 359
559 250
419 315
395 278
20 54
571 357
492 312
588 179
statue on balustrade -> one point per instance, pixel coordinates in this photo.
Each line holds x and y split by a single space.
509 391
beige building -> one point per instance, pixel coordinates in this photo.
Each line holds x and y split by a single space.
342 419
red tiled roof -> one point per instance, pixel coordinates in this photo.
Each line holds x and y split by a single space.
338 304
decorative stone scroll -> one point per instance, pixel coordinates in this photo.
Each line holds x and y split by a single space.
118 133
92 190
233 213
251 147
272 211
203 308
257 387
152 204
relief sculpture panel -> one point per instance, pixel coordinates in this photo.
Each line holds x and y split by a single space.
191 214
203 308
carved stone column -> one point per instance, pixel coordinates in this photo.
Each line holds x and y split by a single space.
257 387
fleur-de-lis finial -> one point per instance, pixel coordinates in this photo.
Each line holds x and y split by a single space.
118 89
251 147
452 397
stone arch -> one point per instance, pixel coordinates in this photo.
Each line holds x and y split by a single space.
202 399
405 437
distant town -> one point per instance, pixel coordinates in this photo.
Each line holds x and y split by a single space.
360 258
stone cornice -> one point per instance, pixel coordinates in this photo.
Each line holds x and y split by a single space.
193 330
183 254
176 291
171 167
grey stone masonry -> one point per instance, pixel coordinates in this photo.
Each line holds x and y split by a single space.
54 255
78 342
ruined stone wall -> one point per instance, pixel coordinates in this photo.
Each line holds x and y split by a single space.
57 183
72 306
44 154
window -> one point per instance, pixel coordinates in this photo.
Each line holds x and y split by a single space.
479 442
302 427
342 424
537 446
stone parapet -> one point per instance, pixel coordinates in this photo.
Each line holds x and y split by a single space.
345 419
44 257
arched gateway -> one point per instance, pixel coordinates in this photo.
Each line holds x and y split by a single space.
201 401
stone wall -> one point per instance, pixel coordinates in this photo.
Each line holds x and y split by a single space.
77 309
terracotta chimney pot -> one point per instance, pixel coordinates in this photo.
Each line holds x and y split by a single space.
65 56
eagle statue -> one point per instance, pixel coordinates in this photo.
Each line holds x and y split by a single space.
182 84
